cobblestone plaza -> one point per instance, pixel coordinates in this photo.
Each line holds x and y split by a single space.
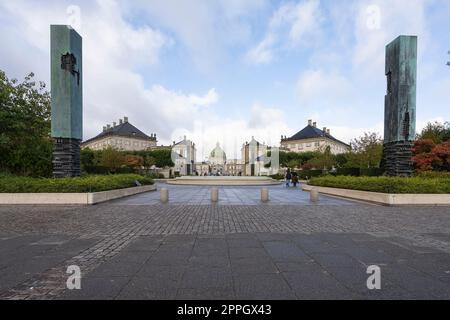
288 248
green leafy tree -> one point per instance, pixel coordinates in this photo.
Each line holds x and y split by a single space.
366 151
437 132
87 158
323 160
25 143
112 159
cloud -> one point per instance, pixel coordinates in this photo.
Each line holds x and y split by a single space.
327 89
205 28
262 53
395 18
113 50
291 26
265 124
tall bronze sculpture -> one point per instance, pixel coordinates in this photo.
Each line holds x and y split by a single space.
400 106
67 100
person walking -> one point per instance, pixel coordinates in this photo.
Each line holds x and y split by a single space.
294 179
288 178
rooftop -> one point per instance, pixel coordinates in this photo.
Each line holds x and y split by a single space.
311 131
123 129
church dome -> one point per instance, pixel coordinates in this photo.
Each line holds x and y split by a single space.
217 155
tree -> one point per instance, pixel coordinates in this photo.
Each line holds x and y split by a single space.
112 159
87 158
430 156
133 161
323 160
367 150
25 143
437 132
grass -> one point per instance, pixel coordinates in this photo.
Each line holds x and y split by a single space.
386 184
88 183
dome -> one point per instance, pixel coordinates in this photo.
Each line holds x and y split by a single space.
217 155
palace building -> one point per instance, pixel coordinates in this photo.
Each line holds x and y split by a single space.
122 136
184 154
312 138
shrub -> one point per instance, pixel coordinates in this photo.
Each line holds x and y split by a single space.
307 174
430 156
277 176
386 184
87 183
371 172
434 174
348 172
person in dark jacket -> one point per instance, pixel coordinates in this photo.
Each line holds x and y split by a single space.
288 177
294 179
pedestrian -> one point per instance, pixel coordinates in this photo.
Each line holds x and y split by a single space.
294 179
288 178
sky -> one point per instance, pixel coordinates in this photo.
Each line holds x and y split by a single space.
229 70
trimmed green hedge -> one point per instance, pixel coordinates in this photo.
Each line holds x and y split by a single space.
88 183
308 174
385 184
356 172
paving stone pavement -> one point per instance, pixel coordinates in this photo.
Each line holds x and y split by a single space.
197 251
229 195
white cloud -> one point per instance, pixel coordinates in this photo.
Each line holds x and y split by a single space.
292 25
262 53
113 50
205 28
327 89
266 124
399 17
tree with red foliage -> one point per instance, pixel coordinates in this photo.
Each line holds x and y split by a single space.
429 156
133 161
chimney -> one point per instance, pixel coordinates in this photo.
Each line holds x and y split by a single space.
104 128
324 130
125 119
108 126
309 122
184 138
328 131
120 121
114 124
315 124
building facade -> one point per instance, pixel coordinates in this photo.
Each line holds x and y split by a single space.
311 139
122 136
183 156
254 156
234 167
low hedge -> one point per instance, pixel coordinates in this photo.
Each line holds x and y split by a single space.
277 176
308 174
105 170
357 172
88 183
385 184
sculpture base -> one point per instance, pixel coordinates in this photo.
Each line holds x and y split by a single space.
66 158
397 158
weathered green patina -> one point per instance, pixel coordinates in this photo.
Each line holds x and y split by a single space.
400 105
66 85
67 100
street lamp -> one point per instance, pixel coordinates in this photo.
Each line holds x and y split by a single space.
448 63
